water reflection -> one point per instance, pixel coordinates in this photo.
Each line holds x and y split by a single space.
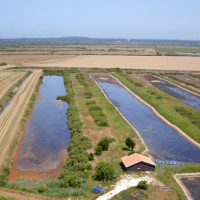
47 133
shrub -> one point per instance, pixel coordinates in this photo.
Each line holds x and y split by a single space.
98 150
143 185
42 189
138 84
130 143
3 180
91 157
6 171
104 143
96 112
102 123
159 97
3 63
104 171
71 181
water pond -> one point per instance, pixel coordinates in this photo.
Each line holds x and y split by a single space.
163 141
47 133
193 185
182 95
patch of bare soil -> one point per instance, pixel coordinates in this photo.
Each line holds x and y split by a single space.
147 78
104 78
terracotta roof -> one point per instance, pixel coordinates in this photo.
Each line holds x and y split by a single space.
135 158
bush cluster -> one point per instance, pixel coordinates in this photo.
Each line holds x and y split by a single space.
3 63
103 145
4 175
52 71
97 114
104 171
143 185
78 163
81 80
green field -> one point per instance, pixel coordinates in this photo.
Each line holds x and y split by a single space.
180 50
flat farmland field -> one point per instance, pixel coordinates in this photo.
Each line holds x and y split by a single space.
124 62
7 79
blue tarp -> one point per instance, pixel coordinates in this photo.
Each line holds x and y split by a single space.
98 189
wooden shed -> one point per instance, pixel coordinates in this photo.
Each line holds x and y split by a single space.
138 162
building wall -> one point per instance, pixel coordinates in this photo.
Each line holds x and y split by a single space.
141 166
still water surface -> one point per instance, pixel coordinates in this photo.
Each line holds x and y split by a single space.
181 95
163 141
47 133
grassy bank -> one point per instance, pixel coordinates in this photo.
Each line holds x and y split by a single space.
118 129
176 112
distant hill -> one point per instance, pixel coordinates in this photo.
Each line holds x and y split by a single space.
86 40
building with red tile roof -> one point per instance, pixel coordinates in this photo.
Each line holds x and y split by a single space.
138 162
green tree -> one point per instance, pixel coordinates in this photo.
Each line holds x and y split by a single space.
104 171
98 150
104 143
130 143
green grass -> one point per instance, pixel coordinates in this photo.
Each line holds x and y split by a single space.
167 106
5 198
180 50
195 75
51 188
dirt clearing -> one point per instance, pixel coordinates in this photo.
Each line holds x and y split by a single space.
126 182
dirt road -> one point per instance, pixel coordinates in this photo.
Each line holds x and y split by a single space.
10 118
125 62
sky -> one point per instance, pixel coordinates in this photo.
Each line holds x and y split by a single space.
129 19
